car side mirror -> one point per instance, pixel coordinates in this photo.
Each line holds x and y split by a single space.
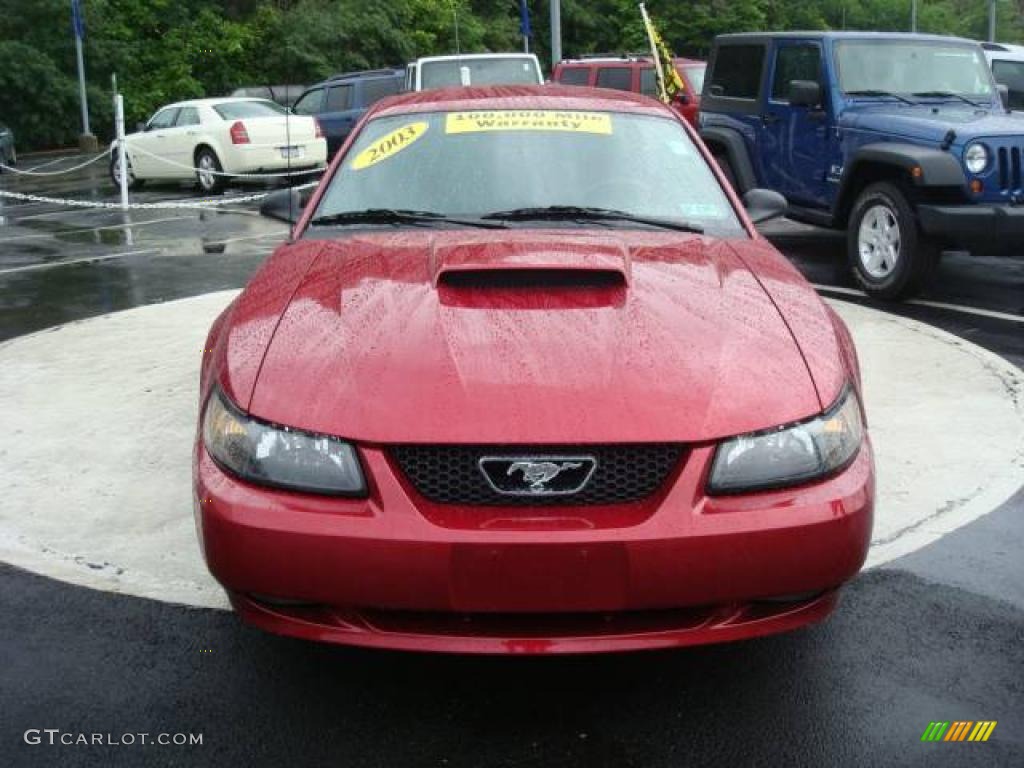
140 127
1004 94
764 204
285 204
682 98
804 93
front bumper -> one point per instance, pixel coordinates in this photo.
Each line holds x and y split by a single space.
686 569
992 228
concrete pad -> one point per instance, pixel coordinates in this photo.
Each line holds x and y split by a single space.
99 416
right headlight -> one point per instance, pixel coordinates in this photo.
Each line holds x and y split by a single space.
277 456
976 158
791 454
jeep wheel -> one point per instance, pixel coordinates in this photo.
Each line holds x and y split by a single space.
889 256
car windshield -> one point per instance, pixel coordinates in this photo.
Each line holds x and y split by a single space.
471 164
912 67
237 110
696 77
492 71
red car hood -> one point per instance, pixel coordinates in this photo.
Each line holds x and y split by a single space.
431 336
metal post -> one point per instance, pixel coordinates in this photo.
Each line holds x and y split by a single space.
913 15
556 32
81 86
121 157
991 21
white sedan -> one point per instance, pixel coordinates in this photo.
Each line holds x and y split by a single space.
212 139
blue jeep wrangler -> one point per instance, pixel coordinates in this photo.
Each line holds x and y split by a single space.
903 140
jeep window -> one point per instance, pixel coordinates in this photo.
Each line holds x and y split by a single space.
795 62
737 73
1011 74
619 78
574 75
339 98
649 82
912 67
696 77
310 103
471 164
375 89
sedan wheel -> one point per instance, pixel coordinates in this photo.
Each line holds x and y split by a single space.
208 172
115 173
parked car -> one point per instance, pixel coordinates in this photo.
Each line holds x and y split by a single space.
285 95
634 73
473 69
1007 62
902 140
8 153
339 102
530 381
205 138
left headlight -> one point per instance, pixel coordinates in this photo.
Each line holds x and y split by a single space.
976 158
792 454
279 456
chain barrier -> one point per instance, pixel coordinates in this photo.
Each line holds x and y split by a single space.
212 172
167 204
61 172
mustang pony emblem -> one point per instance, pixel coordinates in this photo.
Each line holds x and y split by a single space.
540 473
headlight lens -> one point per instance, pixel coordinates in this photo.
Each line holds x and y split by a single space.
790 455
976 158
279 456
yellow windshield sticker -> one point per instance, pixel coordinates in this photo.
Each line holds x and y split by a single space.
528 120
389 145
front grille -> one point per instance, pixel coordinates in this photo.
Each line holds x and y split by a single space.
449 474
1009 162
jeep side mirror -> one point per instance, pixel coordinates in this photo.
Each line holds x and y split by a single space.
1004 94
764 204
285 204
804 93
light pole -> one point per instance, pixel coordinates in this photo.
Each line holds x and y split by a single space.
86 142
556 32
991 21
913 15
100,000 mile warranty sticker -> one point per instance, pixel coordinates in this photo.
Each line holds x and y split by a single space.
528 120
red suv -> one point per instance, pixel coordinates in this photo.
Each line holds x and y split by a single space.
633 73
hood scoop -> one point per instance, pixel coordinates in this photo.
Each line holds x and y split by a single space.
562 264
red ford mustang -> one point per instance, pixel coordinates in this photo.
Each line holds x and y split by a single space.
527 380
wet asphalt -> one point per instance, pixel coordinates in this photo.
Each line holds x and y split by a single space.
936 635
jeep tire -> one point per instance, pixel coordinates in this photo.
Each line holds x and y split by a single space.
889 256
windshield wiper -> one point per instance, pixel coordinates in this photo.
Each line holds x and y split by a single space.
570 212
397 216
873 92
946 95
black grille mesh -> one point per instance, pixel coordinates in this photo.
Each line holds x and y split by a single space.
448 474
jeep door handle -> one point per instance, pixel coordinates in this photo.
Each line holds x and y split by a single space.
770 119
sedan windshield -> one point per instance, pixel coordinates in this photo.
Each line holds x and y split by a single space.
904 67
538 165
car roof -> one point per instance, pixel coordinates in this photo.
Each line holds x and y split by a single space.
1003 50
213 102
363 74
553 96
461 56
629 58
841 35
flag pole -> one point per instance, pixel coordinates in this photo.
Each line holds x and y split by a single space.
663 92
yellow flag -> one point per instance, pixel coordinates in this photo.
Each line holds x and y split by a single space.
670 84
